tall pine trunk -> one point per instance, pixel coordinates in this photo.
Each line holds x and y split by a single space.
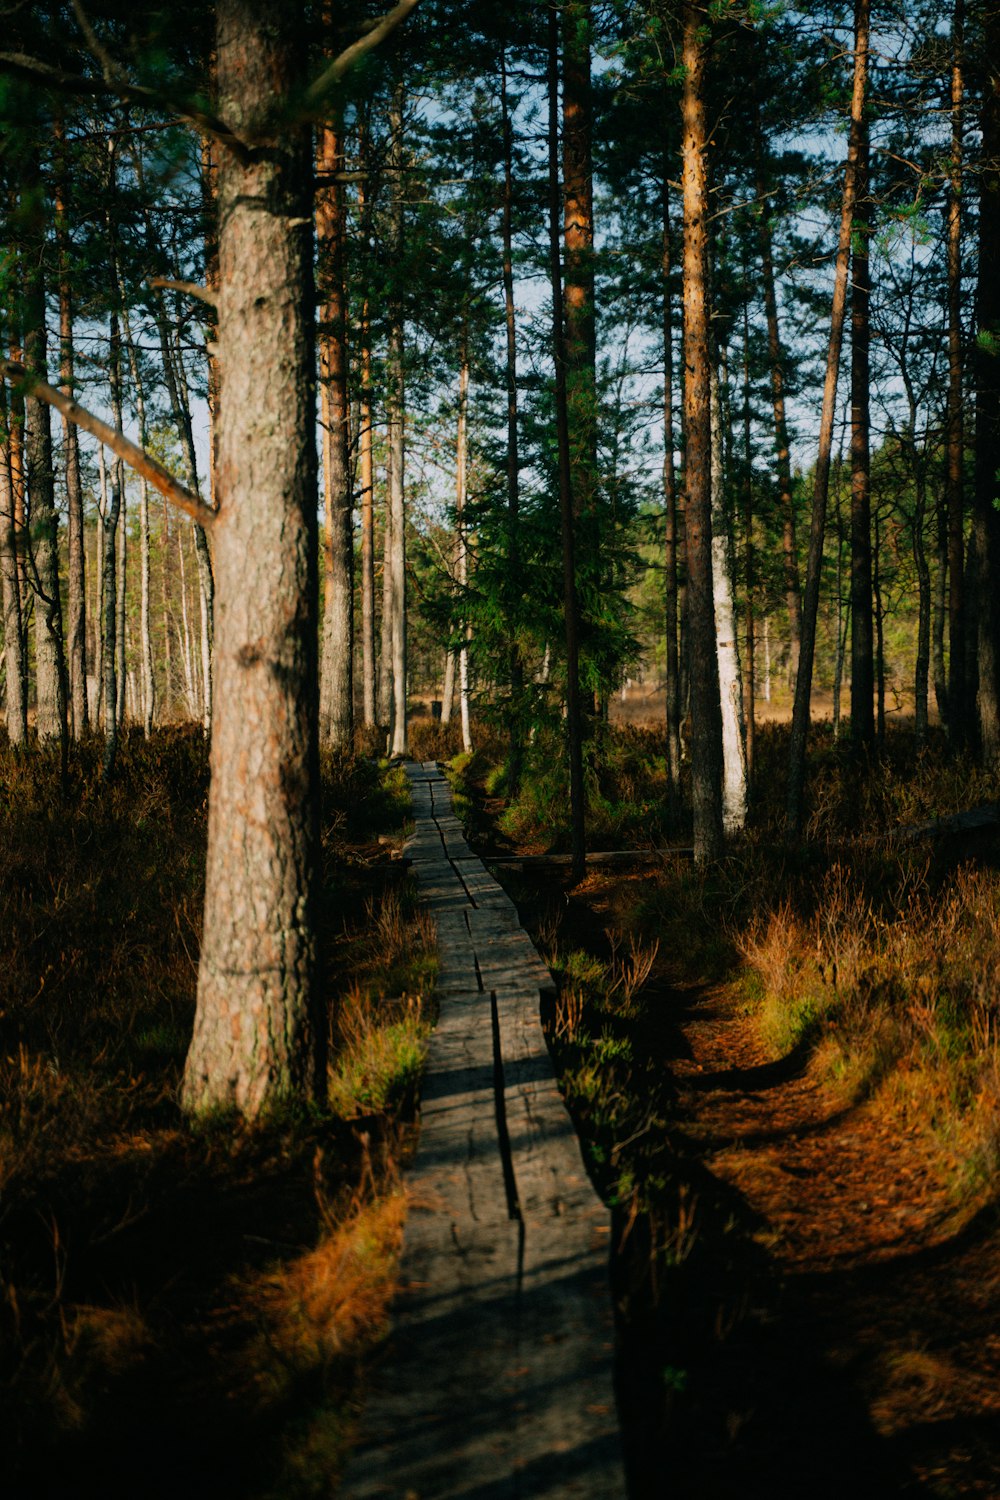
783 462
76 608
862 722
821 475
957 704
258 1031
673 683
367 486
337 675
706 717
13 638
734 763
513 569
986 522
42 539
395 411
567 505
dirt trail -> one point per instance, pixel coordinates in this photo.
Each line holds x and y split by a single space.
837 1322
868 1360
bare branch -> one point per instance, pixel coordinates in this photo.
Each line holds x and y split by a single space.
137 458
191 288
341 64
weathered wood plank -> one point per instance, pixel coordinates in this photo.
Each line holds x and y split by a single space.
496 1381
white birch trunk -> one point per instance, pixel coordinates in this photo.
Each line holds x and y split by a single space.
461 490
734 765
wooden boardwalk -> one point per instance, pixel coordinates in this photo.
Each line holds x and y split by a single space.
497 1379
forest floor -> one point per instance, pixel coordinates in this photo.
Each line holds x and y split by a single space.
807 1289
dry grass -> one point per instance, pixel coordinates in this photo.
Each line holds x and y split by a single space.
205 1294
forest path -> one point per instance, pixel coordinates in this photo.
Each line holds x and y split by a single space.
878 1271
497 1379
833 1320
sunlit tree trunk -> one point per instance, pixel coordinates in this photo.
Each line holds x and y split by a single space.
783 463
385 634
257 1028
181 405
461 490
367 475
734 765
821 474
395 411
109 525
147 677
986 521
337 675
43 548
957 706
749 682
862 722
16 705
513 570
706 718
673 685
567 505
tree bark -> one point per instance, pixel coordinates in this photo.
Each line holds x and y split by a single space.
673 685
821 476
76 573
862 684
706 717
336 706
258 1029
109 526
395 412
367 474
749 682
986 522
958 707
734 764
567 506
17 704
43 547
148 680
578 228
461 489
783 463
513 569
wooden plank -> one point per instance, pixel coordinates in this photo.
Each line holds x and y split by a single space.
496 1381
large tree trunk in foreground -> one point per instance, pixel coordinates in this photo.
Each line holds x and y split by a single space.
821 476
336 704
706 718
257 1034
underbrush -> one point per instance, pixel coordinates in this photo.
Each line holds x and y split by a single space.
206 1293
625 787
868 948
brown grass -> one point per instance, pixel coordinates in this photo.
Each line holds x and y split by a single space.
203 1294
